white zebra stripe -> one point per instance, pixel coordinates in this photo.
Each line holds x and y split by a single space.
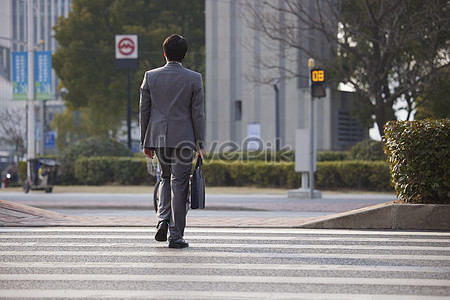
225 237
142 294
313 232
293 267
221 245
227 279
188 253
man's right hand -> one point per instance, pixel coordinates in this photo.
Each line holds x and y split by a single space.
200 152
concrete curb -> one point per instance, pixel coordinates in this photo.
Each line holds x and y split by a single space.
389 216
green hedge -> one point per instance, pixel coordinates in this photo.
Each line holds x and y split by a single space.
362 175
119 170
89 147
367 150
419 157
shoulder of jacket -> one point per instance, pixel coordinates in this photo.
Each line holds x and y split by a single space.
192 73
153 71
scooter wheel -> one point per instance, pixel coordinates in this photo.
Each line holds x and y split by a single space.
48 190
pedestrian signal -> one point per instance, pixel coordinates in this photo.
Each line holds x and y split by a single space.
318 83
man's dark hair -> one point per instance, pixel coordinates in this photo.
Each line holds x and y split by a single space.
175 47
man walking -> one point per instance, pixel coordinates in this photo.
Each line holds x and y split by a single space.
172 127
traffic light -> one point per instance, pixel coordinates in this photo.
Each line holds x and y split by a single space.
318 83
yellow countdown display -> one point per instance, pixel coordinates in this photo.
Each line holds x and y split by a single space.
318 89
318 75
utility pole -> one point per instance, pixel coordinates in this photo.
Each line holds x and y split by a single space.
277 114
305 154
31 147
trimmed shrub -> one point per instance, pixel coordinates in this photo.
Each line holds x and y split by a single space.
128 171
118 170
94 170
363 175
89 147
419 157
112 170
216 174
332 155
367 150
327 175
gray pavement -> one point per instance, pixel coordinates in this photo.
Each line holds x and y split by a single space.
329 203
257 209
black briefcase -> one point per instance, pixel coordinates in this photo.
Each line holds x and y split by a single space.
198 186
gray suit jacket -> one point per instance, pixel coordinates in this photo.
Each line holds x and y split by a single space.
171 108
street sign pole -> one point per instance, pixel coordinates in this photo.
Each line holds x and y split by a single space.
129 107
126 49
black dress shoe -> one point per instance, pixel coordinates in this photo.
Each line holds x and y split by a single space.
161 232
179 243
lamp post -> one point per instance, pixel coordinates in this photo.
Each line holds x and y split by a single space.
31 149
311 138
277 113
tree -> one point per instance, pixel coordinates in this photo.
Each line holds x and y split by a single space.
386 50
434 102
12 129
84 60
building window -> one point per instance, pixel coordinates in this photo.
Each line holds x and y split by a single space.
238 110
349 131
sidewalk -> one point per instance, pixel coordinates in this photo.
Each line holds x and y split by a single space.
12 215
30 209
222 198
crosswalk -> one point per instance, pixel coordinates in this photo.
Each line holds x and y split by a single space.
223 263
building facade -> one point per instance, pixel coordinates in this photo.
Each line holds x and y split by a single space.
14 37
243 95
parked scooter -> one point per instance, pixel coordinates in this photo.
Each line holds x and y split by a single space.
43 173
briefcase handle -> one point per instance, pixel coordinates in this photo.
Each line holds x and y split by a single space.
198 165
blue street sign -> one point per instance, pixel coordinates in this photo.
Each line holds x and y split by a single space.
49 140
43 75
20 75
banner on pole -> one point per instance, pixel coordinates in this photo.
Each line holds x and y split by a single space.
49 140
43 75
20 75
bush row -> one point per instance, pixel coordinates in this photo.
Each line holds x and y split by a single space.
119 170
89 147
364 150
419 157
363 175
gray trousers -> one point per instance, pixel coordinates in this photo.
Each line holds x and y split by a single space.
176 166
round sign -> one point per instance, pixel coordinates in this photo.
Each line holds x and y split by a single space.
126 46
